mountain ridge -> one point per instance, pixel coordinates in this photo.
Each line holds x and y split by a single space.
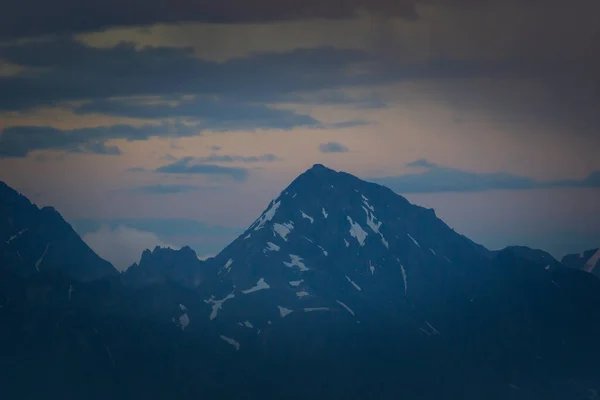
33 238
336 274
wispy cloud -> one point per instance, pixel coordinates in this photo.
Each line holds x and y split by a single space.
188 165
223 113
19 141
122 240
160 226
122 245
438 178
165 189
332 147
224 158
348 124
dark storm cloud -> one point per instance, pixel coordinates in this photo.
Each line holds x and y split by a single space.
188 165
20 18
332 147
19 141
215 114
438 179
69 70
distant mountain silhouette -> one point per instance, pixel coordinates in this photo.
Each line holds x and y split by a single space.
33 239
588 261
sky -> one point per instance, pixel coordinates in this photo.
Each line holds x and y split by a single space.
175 123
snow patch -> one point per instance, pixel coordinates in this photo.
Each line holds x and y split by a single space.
372 268
260 285
591 263
316 309
324 212
246 324
346 307
39 261
232 342
296 283
413 239
433 330
296 261
70 291
227 266
357 232
432 251
354 284
346 243
284 311
13 237
308 217
302 294
267 215
283 229
217 304
184 320
404 279
271 247
366 203
375 225
323 250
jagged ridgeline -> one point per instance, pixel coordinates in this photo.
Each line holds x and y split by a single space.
340 289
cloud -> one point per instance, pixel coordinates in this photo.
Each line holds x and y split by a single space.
165 189
223 158
123 245
19 141
348 124
68 70
551 74
212 113
142 233
336 97
332 147
68 16
421 162
438 179
159 226
188 165
136 169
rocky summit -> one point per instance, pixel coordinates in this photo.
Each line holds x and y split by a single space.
340 289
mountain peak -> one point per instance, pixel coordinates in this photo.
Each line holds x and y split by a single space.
320 167
34 240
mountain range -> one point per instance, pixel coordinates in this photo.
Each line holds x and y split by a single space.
340 289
